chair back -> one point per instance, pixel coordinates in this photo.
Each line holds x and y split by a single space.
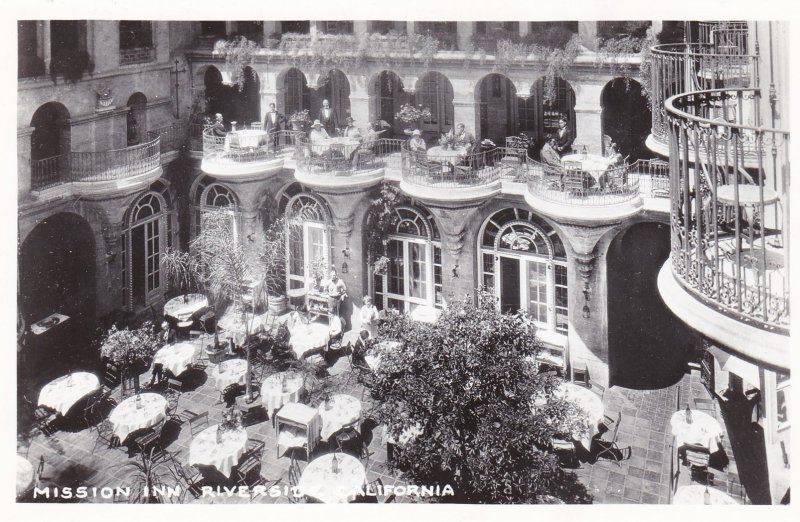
198 421
616 427
597 388
703 404
256 125
696 458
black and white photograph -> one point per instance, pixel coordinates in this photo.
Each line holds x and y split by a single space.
415 260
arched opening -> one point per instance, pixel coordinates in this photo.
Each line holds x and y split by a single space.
296 94
523 261
214 92
334 87
210 195
51 131
497 99
626 117
435 91
386 97
548 102
309 241
249 106
137 112
647 345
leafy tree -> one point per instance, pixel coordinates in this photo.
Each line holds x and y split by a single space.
128 348
467 382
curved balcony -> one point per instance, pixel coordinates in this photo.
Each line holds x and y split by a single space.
241 155
345 163
730 205
567 191
455 176
101 173
681 68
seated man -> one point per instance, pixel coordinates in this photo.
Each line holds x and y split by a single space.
416 143
548 153
462 137
351 131
219 127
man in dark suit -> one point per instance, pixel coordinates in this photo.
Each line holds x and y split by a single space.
564 138
219 127
328 118
273 122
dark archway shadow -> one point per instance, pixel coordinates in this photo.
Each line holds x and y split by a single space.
648 345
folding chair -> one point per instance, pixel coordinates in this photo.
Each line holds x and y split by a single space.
611 448
294 479
697 460
191 476
255 447
565 451
598 388
106 435
42 416
248 472
197 421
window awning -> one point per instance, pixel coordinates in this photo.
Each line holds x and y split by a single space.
730 363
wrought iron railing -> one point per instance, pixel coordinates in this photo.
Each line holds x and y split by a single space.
729 201
448 169
610 186
653 177
680 68
106 165
350 157
235 147
173 137
196 136
726 37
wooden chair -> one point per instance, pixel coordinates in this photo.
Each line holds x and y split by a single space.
248 472
697 460
42 416
197 421
598 388
191 477
580 373
106 435
374 494
173 397
255 447
294 479
611 448
566 453
230 391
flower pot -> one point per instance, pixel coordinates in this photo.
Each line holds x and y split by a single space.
277 304
297 126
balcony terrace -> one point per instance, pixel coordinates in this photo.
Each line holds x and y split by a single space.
242 154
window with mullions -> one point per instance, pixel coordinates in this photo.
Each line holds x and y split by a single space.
436 93
338 27
215 196
135 34
309 240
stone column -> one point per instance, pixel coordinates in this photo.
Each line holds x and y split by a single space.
464 34
411 27
269 27
588 116
524 29
24 161
359 102
360 27
587 31
43 38
314 28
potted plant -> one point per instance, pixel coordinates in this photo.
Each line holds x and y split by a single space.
239 53
130 350
318 271
300 120
273 261
412 116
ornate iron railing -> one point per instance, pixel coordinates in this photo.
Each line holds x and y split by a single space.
47 172
236 147
680 68
196 136
726 37
173 137
729 201
448 169
344 158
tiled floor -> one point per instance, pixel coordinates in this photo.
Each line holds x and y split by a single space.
73 458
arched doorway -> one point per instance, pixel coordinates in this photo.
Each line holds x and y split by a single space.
626 117
214 91
647 345
549 100
249 98
50 140
296 94
309 239
334 87
210 195
497 99
523 261
137 112
387 96
435 91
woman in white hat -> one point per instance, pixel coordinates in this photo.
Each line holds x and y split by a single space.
317 133
416 143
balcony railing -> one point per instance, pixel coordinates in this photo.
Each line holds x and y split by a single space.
611 186
726 37
173 137
345 158
680 68
247 145
196 136
109 165
443 170
729 204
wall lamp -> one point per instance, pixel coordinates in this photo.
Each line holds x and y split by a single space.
455 270
345 268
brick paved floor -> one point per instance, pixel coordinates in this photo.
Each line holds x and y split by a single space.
73 457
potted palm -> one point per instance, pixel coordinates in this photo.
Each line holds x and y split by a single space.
273 263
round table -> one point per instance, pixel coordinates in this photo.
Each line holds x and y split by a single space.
273 394
248 138
63 393
183 307
587 402
593 164
235 329
320 482
344 410
232 371
177 358
749 195
24 476
704 430
349 145
223 455
304 338
695 494
441 154
127 417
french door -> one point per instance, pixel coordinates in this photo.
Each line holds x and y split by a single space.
526 283
304 251
409 279
146 248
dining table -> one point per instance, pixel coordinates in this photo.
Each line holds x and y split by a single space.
246 138
25 476
184 307
221 450
177 358
137 413
232 371
589 404
348 145
305 338
319 479
63 393
695 494
452 156
699 429
339 411
593 164
279 389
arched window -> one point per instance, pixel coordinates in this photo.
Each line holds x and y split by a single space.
413 274
309 238
523 262
436 92
213 196
148 233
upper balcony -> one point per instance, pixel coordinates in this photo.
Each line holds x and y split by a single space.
100 173
680 68
730 207
242 154
345 163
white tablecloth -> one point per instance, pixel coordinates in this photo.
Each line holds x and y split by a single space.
63 393
181 311
695 494
590 404
451 156
304 338
426 314
320 482
232 371
345 410
273 395
247 138
350 145
703 431
51 321
373 358
24 476
205 450
177 358
127 418
594 164
234 328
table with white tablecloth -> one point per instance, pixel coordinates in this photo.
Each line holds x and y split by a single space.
593 164
704 430
442 155
279 389
137 413
340 411
24 476
321 482
183 307
349 145
223 455
232 371
63 393
235 328
305 338
695 494
246 138
177 358
588 403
